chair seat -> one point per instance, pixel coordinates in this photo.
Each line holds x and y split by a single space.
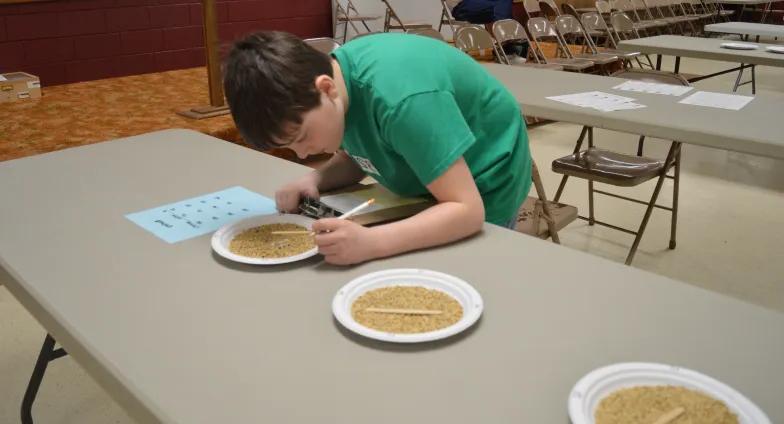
620 53
413 25
550 66
609 167
571 64
727 12
530 221
358 18
599 59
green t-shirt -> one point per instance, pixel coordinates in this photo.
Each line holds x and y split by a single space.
417 104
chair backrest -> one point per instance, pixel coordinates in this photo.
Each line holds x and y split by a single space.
426 32
540 28
549 9
603 6
531 7
568 9
507 30
476 42
650 75
323 44
623 25
568 25
450 4
593 21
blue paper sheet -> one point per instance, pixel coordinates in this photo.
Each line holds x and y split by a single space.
202 214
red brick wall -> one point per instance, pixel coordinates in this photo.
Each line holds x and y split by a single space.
64 41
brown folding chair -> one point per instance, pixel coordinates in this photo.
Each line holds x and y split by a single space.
542 29
392 20
622 170
346 14
323 44
540 217
572 31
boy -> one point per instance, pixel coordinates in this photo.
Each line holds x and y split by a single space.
416 114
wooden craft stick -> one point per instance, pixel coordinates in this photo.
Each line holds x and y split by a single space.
403 311
291 232
670 416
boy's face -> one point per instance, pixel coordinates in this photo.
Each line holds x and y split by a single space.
321 130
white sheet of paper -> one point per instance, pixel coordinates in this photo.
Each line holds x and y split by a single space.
599 100
717 100
653 88
2 78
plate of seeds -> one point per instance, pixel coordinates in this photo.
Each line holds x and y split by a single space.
637 392
407 305
266 240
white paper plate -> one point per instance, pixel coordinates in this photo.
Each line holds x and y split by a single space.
222 238
775 49
739 46
592 388
466 295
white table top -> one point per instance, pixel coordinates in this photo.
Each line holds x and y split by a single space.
702 48
663 117
746 28
178 335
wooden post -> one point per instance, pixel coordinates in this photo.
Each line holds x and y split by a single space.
217 105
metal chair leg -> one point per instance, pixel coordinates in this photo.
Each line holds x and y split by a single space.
675 190
577 146
648 210
640 144
591 218
48 353
543 198
753 80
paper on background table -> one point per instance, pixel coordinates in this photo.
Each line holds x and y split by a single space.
598 100
717 100
654 88
2 78
203 214
385 199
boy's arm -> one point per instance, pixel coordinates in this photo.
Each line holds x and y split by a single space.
458 214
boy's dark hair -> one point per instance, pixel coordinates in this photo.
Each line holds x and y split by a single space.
269 82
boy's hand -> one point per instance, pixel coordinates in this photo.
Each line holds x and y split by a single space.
346 242
287 197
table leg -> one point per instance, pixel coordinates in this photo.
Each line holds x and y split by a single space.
48 353
677 64
658 62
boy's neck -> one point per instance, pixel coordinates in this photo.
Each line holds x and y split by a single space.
337 76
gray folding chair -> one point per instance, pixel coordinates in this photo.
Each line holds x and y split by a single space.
549 9
476 42
622 170
542 29
510 31
593 24
624 27
447 18
570 29
346 14
640 24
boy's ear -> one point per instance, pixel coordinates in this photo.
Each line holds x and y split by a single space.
326 85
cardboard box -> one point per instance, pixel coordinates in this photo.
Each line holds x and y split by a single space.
19 86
